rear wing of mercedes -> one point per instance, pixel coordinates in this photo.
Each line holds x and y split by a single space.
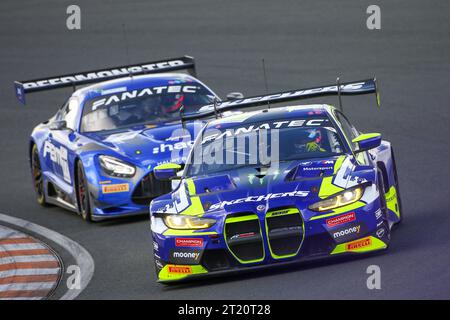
360 87
23 87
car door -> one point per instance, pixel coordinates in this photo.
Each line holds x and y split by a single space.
61 145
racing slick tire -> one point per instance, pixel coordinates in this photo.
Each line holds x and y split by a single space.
83 197
384 209
397 188
38 180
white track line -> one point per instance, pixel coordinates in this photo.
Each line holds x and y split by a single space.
82 257
28 272
34 258
28 286
21 246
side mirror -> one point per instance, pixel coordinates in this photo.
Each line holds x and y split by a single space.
58 125
234 96
367 141
166 171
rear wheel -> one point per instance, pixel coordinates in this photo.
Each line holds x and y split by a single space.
383 231
397 189
84 203
38 180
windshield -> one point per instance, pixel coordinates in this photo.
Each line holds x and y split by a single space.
263 144
145 105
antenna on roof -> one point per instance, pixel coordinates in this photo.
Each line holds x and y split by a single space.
183 124
338 84
377 93
265 81
216 114
126 47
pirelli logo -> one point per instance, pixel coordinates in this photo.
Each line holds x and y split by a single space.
358 244
115 188
180 269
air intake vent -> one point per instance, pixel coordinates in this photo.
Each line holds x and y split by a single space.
285 232
244 239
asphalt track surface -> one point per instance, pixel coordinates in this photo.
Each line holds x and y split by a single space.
304 43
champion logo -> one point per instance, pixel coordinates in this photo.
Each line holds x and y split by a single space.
189 242
336 221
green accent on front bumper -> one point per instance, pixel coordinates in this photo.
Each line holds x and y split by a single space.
350 207
167 273
392 201
360 245
175 232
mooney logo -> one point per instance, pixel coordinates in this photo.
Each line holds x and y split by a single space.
187 255
266 197
59 157
333 222
347 231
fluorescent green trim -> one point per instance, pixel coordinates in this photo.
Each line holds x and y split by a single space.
241 219
166 166
175 232
195 209
338 164
350 207
191 187
327 188
165 275
289 211
372 244
366 136
392 201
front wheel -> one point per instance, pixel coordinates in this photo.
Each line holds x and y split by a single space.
84 203
38 180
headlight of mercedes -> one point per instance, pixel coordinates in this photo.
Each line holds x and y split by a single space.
180 222
116 168
341 199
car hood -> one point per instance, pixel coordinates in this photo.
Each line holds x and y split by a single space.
253 189
151 144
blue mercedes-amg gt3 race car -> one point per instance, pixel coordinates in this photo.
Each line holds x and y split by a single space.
275 186
96 155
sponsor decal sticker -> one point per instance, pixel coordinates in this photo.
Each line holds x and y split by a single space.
115 188
345 218
347 231
188 242
180 269
358 244
185 256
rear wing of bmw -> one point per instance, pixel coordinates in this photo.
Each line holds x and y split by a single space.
360 87
185 63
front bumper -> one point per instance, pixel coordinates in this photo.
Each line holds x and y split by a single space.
276 238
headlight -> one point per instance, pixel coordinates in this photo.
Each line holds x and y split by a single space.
341 199
116 168
177 221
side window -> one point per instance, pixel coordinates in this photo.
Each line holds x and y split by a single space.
349 130
69 113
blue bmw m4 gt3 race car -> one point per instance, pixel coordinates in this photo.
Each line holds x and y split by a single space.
96 155
275 186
